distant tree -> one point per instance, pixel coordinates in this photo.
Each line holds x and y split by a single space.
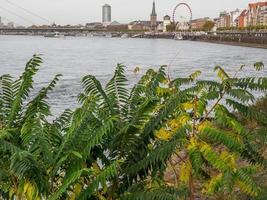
118 28
171 27
208 25
33 26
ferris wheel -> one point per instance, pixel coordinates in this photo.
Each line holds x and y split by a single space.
189 13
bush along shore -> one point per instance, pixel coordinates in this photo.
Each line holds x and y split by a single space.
160 140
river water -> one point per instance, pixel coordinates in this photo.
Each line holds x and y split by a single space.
75 57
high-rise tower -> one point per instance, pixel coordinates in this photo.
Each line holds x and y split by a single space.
153 18
106 14
0 20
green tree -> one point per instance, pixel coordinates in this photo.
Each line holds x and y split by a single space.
208 25
171 27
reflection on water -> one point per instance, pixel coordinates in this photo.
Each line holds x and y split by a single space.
75 57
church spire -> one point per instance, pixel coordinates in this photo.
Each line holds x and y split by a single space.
153 18
154 10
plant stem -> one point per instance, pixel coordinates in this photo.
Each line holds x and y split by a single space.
191 186
175 173
208 113
195 115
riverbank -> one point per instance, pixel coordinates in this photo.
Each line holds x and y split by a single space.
242 44
258 40
251 42
215 41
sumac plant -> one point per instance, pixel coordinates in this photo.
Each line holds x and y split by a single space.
162 139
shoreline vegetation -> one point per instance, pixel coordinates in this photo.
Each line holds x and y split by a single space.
163 139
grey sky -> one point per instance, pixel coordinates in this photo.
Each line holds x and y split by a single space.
82 11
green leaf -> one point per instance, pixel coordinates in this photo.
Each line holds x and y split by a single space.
259 66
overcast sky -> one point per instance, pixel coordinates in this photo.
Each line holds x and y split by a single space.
82 11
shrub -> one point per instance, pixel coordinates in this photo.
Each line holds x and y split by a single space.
120 142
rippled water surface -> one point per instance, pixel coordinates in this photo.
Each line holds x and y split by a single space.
75 57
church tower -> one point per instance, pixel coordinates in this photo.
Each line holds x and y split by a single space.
153 18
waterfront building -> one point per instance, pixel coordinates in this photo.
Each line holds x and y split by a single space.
166 22
106 14
252 14
153 18
160 26
139 25
233 18
217 22
243 19
224 20
263 15
257 13
198 24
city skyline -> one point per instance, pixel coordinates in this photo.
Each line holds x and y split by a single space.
81 11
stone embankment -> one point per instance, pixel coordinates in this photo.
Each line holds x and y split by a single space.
259 41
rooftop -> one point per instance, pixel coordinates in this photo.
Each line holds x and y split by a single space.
167 17
244 13
258 4
106 5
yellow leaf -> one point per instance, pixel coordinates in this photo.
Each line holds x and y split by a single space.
183 118
185 172
221 73
192 144
211 186
25 187
163 134
203 125
96 167
247 188
11 192
195 75
163 91
29 191
174 124
188 106
179 121
76 191
229 159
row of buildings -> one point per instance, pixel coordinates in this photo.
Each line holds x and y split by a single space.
139 25
254 15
